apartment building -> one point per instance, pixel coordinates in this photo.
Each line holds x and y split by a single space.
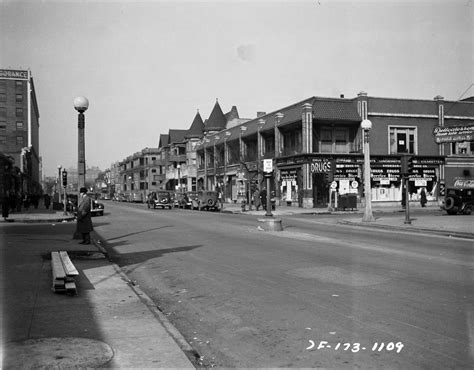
19 129
316 147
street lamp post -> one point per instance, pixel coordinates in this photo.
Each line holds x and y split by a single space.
366 125
59 184
179 177
81 104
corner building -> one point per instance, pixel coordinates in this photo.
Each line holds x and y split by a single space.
317 150
19 131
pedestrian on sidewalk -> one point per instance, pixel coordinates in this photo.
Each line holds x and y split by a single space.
5 206
256 199
84 220
47 200
423 197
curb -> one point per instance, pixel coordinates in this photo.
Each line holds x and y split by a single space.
453 234
31 220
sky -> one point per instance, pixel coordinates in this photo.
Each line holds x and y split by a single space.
149 66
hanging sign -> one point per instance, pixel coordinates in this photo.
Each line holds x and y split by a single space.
453 134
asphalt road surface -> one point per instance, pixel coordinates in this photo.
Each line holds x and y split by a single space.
318 294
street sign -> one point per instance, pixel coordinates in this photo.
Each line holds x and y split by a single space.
267 165
333 185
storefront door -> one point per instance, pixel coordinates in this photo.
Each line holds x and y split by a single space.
320 190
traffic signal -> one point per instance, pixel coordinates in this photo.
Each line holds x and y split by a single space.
411 165
64 177
404 164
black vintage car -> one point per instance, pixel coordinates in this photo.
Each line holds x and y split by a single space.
162 198
209 200
97 208
458 201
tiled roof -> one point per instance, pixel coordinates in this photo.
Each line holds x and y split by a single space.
176 136
335 109
197 128
216 120
164 140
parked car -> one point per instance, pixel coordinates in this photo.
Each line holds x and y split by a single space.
136 198
162 198
97 208
458 201
209 200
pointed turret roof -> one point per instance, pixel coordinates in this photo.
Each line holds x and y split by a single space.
164 140
197 128
217 120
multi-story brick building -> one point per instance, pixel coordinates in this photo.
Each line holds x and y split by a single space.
317 143
19 128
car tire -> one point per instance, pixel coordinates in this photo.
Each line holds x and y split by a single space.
449 203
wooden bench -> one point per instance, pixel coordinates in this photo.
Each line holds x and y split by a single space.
63 273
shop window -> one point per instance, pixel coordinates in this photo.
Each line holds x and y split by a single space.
463 148
402 140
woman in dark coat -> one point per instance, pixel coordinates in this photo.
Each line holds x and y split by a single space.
423 197
84 221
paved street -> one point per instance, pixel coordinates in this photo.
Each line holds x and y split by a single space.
318 294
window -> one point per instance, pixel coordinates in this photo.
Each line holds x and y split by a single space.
3 139
3 127
19 98
19 125
19 112
3 97
19 84
402 140
3 112
19 140
153 170
334 140
463 148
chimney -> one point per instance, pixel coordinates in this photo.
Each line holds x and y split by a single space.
261 114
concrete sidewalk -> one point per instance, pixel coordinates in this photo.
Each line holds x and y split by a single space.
110 323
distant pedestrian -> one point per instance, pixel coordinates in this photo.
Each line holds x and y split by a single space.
84 221
47 200
5 206
256 199
263 199
423 197
26 201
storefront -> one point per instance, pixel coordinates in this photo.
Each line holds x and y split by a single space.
338 175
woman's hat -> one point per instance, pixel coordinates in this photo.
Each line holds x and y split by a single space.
83 190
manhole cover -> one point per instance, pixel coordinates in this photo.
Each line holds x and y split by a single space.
59 353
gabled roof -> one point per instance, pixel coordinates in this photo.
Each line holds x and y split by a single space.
164 140
197 128
217 120
176 136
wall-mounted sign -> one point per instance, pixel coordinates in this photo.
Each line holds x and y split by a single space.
13 74
289 175
321 166
453 134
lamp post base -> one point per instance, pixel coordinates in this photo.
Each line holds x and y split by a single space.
270 224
